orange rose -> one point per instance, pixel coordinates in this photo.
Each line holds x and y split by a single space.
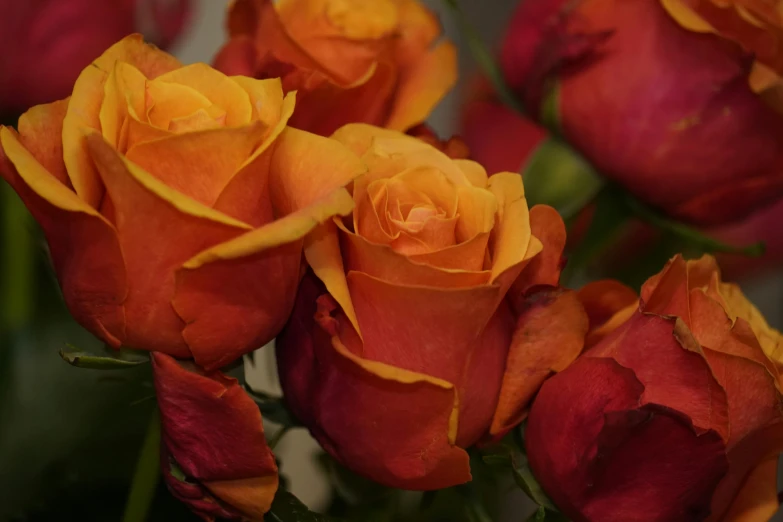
375 62
174 201
420 331
673 413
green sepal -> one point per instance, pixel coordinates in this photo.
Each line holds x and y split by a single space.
287 508
510 453
558 176
111 360
544 515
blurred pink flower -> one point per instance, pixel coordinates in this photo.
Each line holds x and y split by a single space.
46 43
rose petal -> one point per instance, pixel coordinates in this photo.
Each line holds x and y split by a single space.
670 364
84 246
215 154
546 226
228 309
183 228
40 132
422 86
422 329
84 107
324 380
514 242
758 498
382 262
221 90
214 431
306 167
601 457
549 335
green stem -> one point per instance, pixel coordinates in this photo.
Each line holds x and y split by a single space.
474 507
18 262
146 476
278 436
484 59
609 218
691 235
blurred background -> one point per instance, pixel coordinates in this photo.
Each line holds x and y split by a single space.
69 438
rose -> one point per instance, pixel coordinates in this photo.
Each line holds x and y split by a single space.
52 41
349 60
421 329
214 456
174 201
677 116
674 411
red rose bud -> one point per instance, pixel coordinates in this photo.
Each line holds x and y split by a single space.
49 42
665 101
674 414
214 454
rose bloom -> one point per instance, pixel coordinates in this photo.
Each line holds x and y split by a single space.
430 318
677 100
214 455
377 62
674 411
174 201
48 42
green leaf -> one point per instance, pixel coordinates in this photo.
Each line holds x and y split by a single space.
118 360
273 408
287 508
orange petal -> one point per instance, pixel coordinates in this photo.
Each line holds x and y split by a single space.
182 228
40 132
84 246
423 85
169 101
198 164
549 336
758 498
323 255
221 90
84 107
421 328
737 305
360 409
344 38
468 256
252 496
666 293
306 167
418 28
608 304
383 262
547 226
514 242
325 108
236 296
